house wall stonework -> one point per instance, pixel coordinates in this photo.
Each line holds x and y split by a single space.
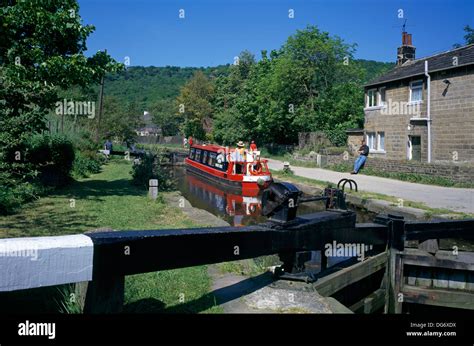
452 114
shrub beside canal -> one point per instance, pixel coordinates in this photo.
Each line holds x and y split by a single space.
153 166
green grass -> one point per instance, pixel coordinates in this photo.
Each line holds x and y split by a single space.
164 145
108 200
104 200
250 267
173 291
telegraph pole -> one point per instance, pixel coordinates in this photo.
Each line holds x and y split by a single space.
101 105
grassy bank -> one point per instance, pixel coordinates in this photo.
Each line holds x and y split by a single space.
107 200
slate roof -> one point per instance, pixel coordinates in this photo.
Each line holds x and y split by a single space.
438 62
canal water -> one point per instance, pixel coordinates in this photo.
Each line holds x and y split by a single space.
233 207
240 210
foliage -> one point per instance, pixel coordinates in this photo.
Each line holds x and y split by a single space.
67 302
42 48
164 116
149 85
310 84
371 69
53 155
85 165
194 102
120 122
12 197
468 37
151 166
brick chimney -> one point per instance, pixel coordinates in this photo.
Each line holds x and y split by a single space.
406 52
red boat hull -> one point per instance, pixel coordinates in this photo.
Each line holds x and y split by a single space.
248 184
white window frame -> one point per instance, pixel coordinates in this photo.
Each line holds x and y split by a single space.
375 98
410 101
374 141
376 147
382 103
379 147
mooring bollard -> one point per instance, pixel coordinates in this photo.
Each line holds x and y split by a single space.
153 188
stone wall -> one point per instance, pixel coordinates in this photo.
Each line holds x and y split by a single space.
313 139
457 172
353 142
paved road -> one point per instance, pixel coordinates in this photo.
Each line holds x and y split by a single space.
456 199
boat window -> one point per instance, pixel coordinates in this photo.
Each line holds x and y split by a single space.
221 162
198 155
212 159
204 157
191 153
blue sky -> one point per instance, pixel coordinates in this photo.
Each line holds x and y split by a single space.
213 32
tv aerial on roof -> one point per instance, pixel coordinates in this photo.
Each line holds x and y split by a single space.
403 26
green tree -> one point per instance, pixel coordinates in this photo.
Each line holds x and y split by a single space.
164 116
41 52
468 37
120 122
195 105
303 86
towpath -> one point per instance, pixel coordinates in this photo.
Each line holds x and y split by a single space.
455 199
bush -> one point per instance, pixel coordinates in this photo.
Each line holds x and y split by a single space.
53 156
151 167
12 197
85 165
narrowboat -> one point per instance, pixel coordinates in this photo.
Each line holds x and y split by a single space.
228 167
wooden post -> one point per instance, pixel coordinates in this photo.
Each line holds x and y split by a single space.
153 188
394 271
105 295
324 260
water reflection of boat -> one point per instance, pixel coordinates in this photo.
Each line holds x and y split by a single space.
240 209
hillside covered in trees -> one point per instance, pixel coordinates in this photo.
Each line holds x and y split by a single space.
227 93
147 85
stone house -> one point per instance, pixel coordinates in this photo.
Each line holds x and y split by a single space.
423 109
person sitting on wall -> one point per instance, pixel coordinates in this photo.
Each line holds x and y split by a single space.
363 154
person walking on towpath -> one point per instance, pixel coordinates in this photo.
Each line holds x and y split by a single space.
363 154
